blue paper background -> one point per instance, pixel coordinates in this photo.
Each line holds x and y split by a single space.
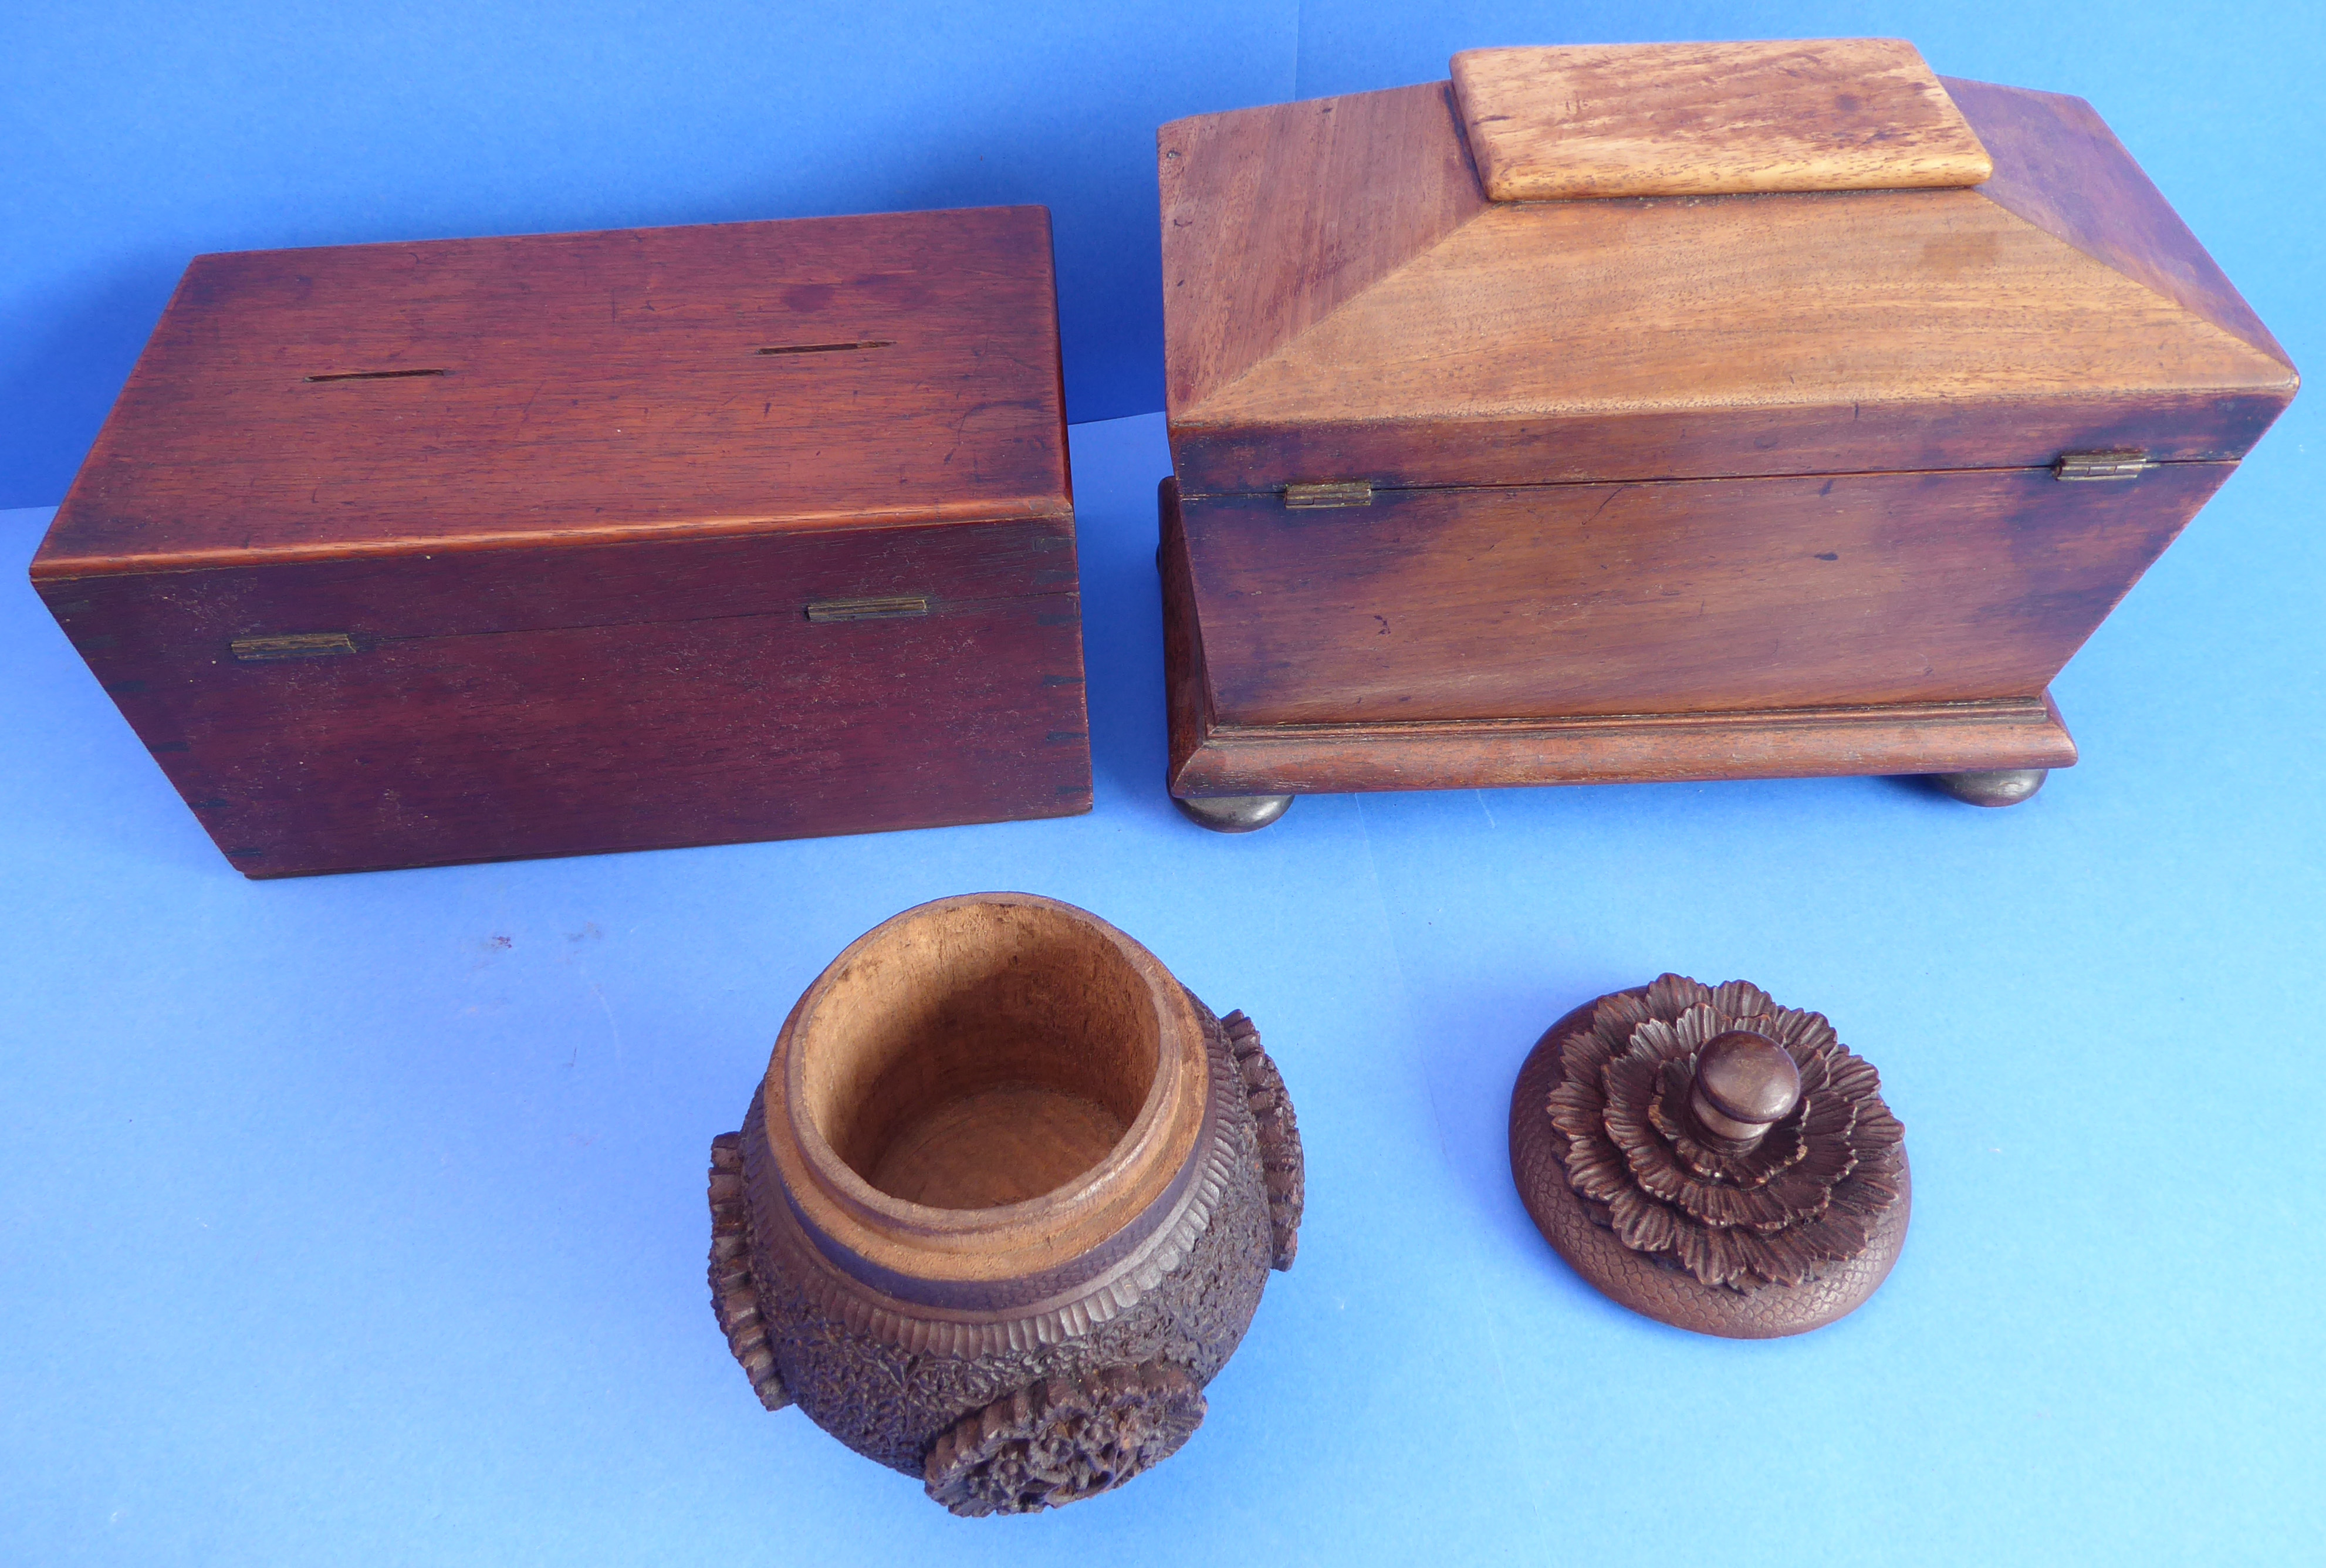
135 133
359 1219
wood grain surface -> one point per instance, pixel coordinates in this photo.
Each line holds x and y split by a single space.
1006 1143
2068 175
477 549
1274 218
1712 595
1695 119
946 1002
1653 749
1850 331
582 388
989 1050
1667 486
652 695
1211 757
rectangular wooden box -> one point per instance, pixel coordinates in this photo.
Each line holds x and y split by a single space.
405 555
1669 412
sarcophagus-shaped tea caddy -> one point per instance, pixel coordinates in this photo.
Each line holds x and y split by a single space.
1669 412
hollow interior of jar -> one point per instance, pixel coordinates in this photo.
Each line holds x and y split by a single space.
978 1055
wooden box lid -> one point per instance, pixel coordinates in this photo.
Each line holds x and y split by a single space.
1710 260
1710 119
383 399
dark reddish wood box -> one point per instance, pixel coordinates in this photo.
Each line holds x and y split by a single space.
1679 412
405 554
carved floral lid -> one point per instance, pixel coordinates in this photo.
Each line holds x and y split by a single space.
1711 1158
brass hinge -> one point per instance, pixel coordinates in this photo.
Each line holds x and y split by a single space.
2100 465
306 645
824 610
1332 492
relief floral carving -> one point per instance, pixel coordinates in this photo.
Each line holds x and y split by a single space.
1806 1195
1064 1438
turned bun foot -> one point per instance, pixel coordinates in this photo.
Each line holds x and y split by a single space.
1233 813
1992 786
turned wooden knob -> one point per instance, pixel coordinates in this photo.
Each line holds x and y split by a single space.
1746 1083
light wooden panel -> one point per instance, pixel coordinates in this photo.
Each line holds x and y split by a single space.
722 378
1700 119
1273 217
2059 166
1614 307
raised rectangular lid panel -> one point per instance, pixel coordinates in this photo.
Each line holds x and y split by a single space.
1706 119
876 371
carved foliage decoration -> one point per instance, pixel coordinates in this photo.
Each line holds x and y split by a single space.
734 1296
1806 1197
1279 1137
1062 1438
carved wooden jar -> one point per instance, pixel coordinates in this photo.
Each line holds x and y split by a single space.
1003 1204
404 555
1669 412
